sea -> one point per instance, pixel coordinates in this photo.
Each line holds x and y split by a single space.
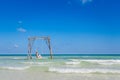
76 64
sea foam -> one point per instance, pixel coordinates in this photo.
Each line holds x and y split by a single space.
37 63
103 62
16 68
73 70
72 63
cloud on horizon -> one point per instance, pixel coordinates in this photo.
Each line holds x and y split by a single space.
21 30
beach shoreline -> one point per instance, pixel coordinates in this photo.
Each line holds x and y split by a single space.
62 67
39 75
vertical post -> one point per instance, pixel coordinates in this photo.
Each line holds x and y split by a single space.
50 49
29 49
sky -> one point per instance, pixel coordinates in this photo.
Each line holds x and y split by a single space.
74 26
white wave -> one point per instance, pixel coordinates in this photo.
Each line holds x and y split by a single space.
16 68
72 63
37 63
17 58
72 70
104 62
74 60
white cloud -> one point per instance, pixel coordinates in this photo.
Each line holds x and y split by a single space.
16 46
85 1
20 22
21 30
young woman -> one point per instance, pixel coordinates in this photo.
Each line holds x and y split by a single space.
38 56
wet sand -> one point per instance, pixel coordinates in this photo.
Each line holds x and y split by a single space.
36 75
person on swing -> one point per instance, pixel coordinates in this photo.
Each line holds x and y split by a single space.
38 55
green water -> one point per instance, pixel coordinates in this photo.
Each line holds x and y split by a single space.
63 63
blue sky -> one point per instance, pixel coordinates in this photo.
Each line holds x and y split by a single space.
75 26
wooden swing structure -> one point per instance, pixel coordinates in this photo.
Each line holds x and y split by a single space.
31 41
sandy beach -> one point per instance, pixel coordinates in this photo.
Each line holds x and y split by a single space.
36 75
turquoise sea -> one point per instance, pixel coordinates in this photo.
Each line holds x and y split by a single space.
63 63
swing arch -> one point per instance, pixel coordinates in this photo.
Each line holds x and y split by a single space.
31 41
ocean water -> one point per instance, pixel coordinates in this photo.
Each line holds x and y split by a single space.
63 63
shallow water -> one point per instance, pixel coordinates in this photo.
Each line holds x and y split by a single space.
63 64
62 67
